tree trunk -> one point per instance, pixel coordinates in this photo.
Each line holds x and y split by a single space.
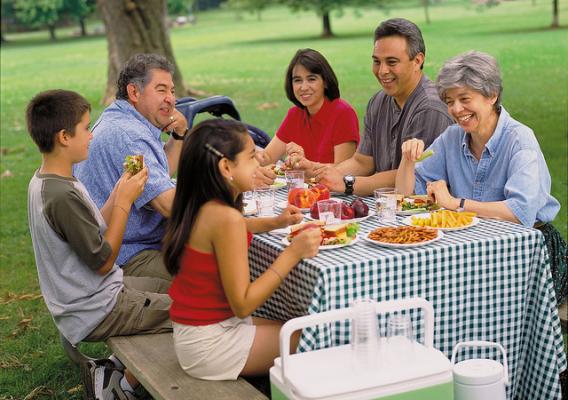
555 23
326 25
83 26
52 36
135 26
425 3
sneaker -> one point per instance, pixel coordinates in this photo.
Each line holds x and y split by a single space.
101 381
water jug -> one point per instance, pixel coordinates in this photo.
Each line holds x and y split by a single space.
480 379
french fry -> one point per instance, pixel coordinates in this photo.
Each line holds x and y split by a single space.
444 219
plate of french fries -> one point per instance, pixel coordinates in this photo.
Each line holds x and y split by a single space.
403 236
445 220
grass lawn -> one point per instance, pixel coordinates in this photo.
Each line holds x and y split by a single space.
246 60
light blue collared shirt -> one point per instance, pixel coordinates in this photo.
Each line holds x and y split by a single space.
511 169
120 131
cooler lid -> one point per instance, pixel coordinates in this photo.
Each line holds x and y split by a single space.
328 372
478 371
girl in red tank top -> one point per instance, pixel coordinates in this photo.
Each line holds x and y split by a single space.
206 249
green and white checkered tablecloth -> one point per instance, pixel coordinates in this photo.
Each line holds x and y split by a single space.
489 282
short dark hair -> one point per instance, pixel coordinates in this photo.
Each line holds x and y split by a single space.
316 63
137 70
51 111
199 180
406 29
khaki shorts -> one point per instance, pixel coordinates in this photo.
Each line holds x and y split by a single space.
149 263
214 352
142 307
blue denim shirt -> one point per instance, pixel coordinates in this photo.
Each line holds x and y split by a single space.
120 131
511 169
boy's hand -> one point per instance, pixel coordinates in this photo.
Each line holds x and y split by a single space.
129 187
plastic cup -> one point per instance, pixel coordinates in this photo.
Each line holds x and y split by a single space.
294 179
264 198
400 337
386 202
364 334
329 211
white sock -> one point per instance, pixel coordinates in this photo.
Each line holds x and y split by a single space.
125 385
116 362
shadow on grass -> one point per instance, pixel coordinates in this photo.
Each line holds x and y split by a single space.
514 30
42 41
315 38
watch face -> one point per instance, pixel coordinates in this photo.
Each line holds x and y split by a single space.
349 178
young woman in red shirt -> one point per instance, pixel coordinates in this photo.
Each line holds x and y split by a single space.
320 126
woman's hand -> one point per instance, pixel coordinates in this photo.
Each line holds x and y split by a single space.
438 190
290 216
412 149
295 154
306 244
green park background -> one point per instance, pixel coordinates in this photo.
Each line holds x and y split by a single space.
245 58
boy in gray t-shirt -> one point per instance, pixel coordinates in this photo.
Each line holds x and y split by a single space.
76 245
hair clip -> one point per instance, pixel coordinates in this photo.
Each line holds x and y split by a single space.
214 150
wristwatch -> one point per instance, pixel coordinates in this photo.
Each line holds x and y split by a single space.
462 205
179 137
349 181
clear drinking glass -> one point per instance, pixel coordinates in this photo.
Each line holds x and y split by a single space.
264 198
386 202
294 178
329 211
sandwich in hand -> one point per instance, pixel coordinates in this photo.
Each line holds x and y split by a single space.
134 164
330 234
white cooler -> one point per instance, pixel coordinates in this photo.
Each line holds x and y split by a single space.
334 373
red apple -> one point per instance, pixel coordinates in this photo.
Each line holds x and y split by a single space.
346 211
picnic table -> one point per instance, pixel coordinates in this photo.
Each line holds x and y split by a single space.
489 282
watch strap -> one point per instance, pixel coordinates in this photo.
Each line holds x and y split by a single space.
462 205
179 137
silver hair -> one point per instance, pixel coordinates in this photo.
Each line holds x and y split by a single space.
475 70
138 70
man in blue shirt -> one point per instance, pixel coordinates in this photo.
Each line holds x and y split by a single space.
131 125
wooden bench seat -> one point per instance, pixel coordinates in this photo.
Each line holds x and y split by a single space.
151 358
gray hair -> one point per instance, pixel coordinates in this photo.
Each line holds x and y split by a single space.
137 70
475 70
406 29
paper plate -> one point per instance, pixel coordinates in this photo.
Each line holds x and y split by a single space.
399 245
326 247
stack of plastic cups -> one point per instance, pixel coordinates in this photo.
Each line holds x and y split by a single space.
364 335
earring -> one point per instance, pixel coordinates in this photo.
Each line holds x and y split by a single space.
231 178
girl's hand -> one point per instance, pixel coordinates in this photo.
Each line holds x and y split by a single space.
263 176
412 149
290 216
307 243
438 190
129 187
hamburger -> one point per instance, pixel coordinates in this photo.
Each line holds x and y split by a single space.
134 164
330 234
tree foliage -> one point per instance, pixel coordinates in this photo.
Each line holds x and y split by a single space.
39 13
251 6
79 10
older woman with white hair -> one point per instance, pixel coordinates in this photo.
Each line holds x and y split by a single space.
487 162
